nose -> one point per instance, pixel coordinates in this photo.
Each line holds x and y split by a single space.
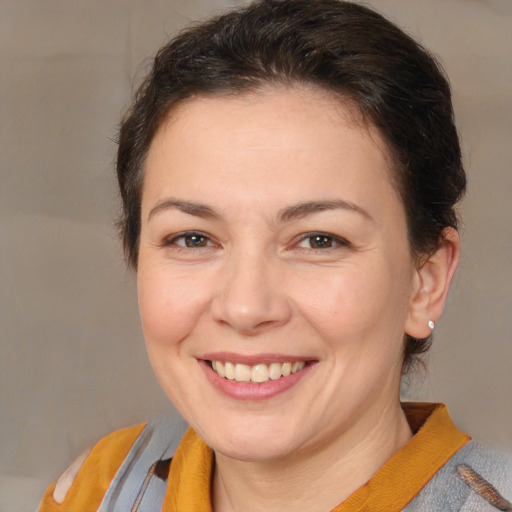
251 298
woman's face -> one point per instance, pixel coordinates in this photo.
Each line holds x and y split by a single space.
273 241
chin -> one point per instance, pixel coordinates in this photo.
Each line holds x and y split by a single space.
254 443
246 451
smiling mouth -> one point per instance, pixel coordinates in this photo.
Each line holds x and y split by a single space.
258 373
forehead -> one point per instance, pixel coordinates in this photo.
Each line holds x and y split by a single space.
286 102
302 137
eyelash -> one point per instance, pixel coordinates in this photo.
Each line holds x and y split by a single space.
334 241
172 241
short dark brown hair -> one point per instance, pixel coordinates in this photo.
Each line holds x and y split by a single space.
340 46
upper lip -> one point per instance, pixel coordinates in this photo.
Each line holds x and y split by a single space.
252 360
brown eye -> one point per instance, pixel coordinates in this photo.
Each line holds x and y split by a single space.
320 242
195 241
191 240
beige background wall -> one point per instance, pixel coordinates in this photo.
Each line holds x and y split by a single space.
72 365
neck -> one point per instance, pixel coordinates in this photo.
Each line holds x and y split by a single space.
338 469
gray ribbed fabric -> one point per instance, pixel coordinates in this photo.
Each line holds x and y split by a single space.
159 440
445 492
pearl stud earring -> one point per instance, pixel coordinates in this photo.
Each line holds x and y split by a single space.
431 324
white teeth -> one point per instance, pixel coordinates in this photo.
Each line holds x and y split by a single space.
219 368
274 371
242 373
286 369
258 373
298 366
229 368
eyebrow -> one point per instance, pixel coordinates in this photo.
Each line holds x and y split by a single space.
195 209
287 214
302 210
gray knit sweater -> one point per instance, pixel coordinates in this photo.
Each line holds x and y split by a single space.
475 479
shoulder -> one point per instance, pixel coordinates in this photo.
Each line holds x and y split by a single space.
488 472
488 462
84 483
475 478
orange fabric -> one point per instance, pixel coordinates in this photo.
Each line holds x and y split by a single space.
190 474
406 473
98 470
436 439
391 488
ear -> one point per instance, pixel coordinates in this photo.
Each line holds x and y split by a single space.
431 285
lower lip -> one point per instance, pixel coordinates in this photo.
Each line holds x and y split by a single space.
251 390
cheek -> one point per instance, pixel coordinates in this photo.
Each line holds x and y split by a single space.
353 305
170 305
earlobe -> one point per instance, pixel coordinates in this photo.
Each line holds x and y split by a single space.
431 286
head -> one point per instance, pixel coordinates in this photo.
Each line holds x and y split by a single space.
392 88
395 85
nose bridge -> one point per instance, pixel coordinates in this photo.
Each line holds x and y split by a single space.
251 297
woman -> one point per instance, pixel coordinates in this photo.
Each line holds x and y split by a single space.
289 173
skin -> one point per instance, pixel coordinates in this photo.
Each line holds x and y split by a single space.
256 284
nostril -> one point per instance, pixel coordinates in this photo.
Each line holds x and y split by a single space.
250 313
